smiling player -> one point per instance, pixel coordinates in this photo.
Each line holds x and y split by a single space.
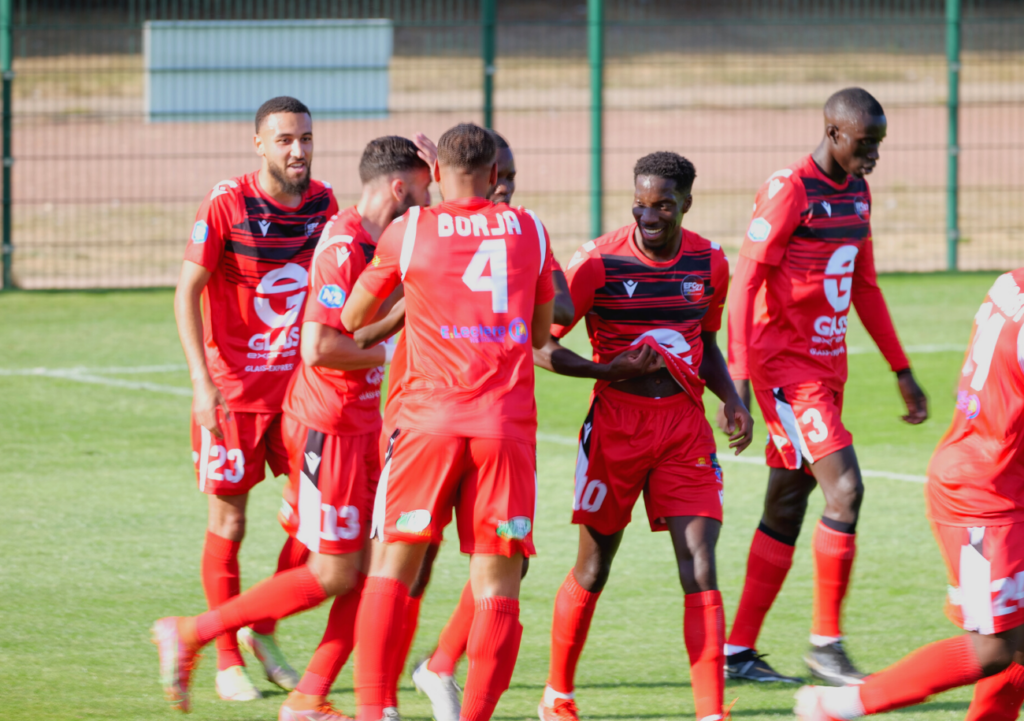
652 293
807 256
238 304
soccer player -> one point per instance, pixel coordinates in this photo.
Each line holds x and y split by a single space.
478 294
247 262
655 290
807 256
975 495
337 389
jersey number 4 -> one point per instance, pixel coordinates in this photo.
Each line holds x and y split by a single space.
491 252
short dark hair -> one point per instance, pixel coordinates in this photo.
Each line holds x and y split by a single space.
387 155
280 104
499 140
853 103
668 165
466 147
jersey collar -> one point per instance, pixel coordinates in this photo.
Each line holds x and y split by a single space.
467 203
821 175
655 263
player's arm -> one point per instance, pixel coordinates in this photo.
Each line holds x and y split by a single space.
328 347
540 324
874 314
564 310
735 419
383 329
361 307
628 364
750 275
206 397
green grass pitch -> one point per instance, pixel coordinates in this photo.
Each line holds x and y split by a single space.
101 528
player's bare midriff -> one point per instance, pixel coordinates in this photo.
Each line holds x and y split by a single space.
659 384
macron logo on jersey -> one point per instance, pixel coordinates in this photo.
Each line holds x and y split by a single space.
759 230
264 226
200 232
630 286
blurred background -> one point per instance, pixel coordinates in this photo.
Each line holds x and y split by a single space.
120 115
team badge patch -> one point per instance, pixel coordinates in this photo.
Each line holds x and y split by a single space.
514 529
331 296
518 330
200 232
969 404
414 522
692 288
759 230
861 208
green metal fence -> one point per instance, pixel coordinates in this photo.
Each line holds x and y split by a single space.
102 193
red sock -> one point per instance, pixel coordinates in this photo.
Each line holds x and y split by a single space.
999 697
929 670
280 595
292 554
833 562
454 638
222 582
492 650
767 565
379 626
704 634
574 608
410 620
336 645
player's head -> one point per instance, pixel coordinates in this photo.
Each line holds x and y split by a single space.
466 165
391 165
663 181
506 185
284 139
854 128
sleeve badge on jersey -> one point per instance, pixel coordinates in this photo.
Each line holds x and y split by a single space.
376 261
200 232
759 230
331 296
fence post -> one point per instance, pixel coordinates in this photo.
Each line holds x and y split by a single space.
953 158
6 41
488 13
595 52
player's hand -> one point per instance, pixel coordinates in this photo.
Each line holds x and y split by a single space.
634 362
206 399
743 391
914 397
735 420
428 151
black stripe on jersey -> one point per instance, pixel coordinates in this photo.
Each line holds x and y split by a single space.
368 251
280 251
859 230
312 458
656 292
817 187
256 206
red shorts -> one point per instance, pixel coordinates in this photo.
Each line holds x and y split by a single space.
330 487
490 482
804 424
661 446
986 576
232 466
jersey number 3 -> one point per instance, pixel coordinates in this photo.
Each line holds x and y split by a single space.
490 252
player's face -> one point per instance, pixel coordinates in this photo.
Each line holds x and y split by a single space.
856 144
286 143
658 208
415 189
506 185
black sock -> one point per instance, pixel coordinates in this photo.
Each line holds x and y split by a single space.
839 525
788 540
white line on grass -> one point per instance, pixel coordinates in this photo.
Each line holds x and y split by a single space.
90 375
928 348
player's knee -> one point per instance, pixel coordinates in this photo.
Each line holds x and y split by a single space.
592 574
995 654
846 494
336 577
229 526
786 518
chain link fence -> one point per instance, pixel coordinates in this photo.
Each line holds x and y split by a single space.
104 187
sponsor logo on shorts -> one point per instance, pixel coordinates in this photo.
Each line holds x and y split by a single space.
414 522
331 296
969 404
514 529
200 232
692 288
717 467
759 230
518 330
861 208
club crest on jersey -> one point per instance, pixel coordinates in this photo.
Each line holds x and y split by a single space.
200 232
861 208
414 522
692 288
518 330
514 529
969 404
759 230
331 296
311 227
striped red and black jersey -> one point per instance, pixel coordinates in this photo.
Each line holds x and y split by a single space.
258 254
814 237
626 296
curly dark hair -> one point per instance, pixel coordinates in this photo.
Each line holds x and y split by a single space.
668 165
466 147
387 155
280 104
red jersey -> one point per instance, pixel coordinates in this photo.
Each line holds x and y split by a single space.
258 254
467 334
976 476
807 255
627 297
341 403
